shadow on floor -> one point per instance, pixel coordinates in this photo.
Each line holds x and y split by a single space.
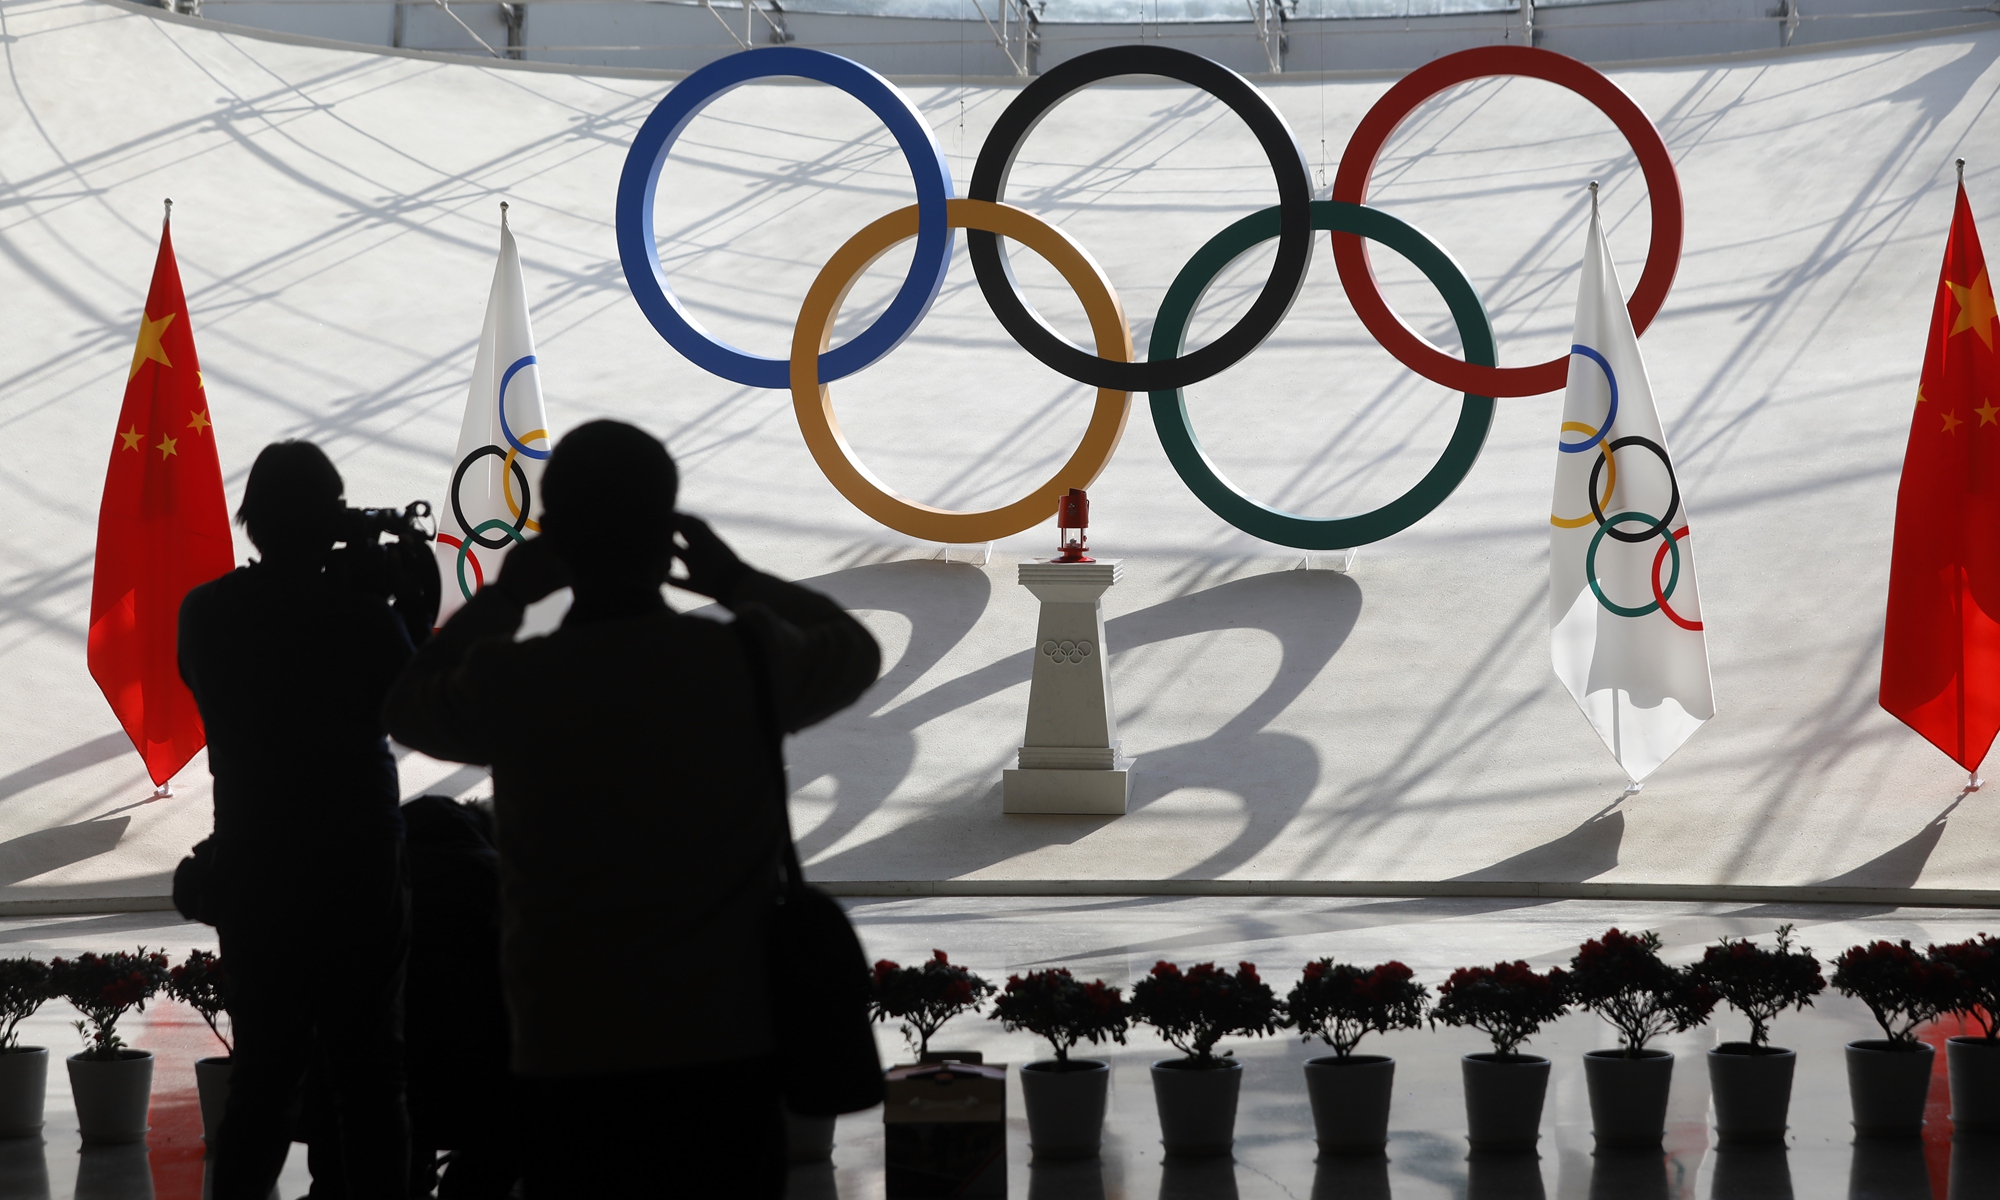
45 850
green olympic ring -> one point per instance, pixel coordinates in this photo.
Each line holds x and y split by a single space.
465 547
1590 565
1199 472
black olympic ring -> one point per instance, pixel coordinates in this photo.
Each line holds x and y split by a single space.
458 477
1295 226
1673 506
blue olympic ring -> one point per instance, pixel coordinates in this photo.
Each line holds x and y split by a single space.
641 178
1591 442
526 360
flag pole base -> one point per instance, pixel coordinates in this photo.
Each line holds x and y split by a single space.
1634 788
1973 783
165 791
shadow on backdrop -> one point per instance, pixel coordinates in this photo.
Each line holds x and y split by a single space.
66 762
1583 853
869 754
45 850
1901 865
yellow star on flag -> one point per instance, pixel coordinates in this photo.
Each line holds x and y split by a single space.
150 333
1951 422
1990 415
1920 394
199 421
131 437
166 447
1976 310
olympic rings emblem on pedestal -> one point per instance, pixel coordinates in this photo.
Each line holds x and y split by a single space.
1168 368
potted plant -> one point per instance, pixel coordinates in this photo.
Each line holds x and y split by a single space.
24 1070
1064 1095
924 997
1340 1003
1504 1090
111 1082
1621 978
1888 1078
1974 1062
1752 1081
1196 1093
198 983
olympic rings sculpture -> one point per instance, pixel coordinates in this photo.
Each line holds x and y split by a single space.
1111 367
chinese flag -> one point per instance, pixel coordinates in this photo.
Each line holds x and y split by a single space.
1941 647
163 528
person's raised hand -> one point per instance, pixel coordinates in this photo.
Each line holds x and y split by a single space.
713 570
531 571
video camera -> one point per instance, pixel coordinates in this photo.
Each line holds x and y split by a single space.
403 572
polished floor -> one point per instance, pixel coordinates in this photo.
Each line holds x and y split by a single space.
1119 940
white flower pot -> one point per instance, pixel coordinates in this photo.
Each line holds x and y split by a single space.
1197 1107
211 1083
1752 1090
1350 1102
1503 1100
24 1080
1065 1103
1628 1096
808 1139
1887 1087
1974 1064
112 1098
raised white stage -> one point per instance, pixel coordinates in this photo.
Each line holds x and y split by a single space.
1397 728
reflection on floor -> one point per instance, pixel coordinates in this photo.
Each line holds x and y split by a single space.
1120 939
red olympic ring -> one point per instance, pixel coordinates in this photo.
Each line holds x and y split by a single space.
1676 618
479 576
1350 253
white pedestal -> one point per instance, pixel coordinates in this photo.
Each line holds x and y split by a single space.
1070 760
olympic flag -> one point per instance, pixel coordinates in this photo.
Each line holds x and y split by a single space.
496 475
162 528
1624 616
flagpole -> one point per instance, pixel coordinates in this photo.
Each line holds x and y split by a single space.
165 791
1961 172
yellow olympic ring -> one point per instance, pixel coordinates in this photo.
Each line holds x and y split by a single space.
1610 481
812 401
507 478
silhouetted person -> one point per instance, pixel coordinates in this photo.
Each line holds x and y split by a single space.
289 662
456 1017
638 823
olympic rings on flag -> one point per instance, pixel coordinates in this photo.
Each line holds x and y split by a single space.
507 480
814 363
1610 482
458 510
641 178
1357 163
1288 269
1596 435
513 531
1673 506
1660 596
812 400
526 360
1199 472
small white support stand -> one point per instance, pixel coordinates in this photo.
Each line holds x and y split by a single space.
1336 560
944 552
165 791
1070 760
